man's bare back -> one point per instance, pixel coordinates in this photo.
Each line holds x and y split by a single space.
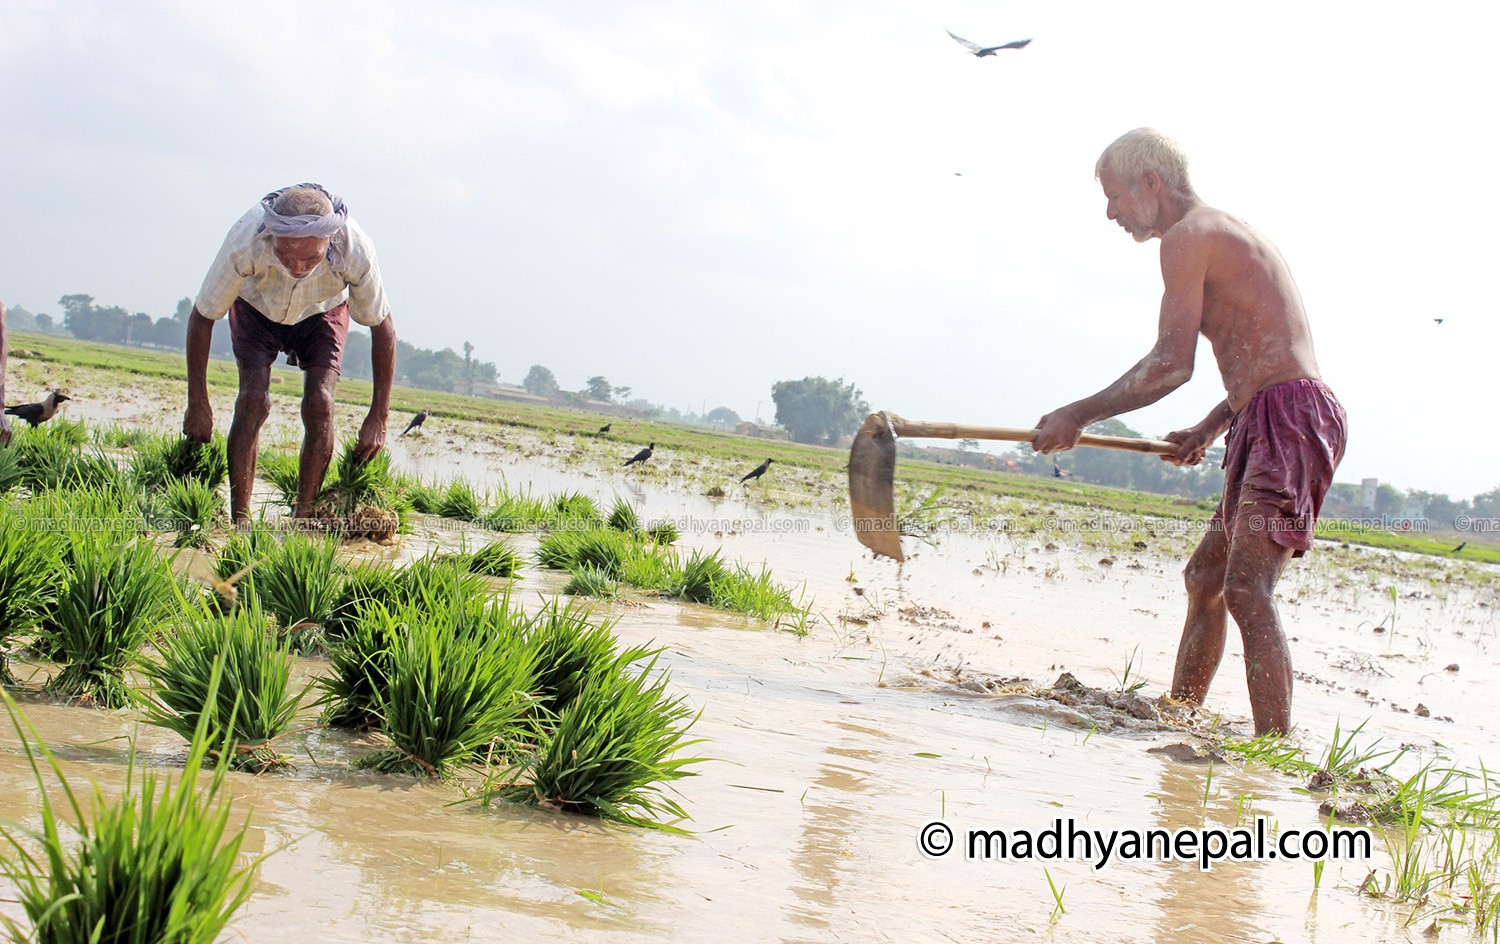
1252 312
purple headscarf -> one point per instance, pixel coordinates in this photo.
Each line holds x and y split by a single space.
319 226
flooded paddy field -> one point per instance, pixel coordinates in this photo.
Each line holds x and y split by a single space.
922 694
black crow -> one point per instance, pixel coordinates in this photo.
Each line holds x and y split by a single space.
979 50
758 471
641 456
604 429
1459 548
38 413
416 422
1438 320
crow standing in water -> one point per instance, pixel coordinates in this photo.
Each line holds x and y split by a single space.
38 413
758 471
641 456
416 422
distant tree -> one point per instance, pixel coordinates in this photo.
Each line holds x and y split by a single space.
622 394
598 388
1388 500
816 409
45 323
138 328
184 310
469 367
968 445
722 417
539 382
78 315
1487 504
19 319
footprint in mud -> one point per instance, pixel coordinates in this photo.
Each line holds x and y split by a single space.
1070 702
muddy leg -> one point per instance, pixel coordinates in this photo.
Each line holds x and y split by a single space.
317 440
1202 644
251 408
1255 564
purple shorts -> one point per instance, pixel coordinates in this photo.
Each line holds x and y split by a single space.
1279 459
313 342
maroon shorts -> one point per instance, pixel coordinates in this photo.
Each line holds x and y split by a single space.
313 342
1279 459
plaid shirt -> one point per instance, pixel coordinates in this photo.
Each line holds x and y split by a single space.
246 267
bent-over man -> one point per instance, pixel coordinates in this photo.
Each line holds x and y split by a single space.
1286 429
291 273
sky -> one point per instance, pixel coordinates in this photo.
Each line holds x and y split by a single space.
697 200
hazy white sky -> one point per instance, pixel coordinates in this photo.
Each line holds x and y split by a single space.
698 199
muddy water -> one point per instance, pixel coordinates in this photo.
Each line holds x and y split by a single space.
831 752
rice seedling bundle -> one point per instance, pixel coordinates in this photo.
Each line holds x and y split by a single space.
496 559
622 517
191 507
516 512
162 460
115 596
592 582
359 587
694 580
570 647
610 751
460 502
572 550
160 862
30 572
456 687
297 582
360 664
50 458
663 532
574 511
282 471
11 472
225 675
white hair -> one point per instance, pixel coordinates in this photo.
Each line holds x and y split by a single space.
303 201
1145 149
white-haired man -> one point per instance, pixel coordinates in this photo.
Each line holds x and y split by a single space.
1286 429
290 274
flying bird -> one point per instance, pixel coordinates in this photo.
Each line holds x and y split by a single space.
416 422
758 471
979 50
641 456
604 429
1438 320
38 413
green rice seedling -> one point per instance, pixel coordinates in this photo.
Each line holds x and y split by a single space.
435 578
298 585
52 460
460 502
922 518
450 694
226 675
12 474
573 511
116 596
648 567
694 580
754 594
246 547
423 498
30 573
192 507
570 647
281 469
355 487
158 862
592 582
572 550
612 749
496 559
359 587
516 513
115 436
622 517
161 460
361 666
663 533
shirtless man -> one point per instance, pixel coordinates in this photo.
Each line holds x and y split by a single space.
1286 429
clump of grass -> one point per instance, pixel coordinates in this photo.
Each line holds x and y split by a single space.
121 437
460 502
361 666
573 511
570 648
592 582
30 573
610 752
357 490
574 550
649 568
516 512
496 559
663 533
51 457
455 688
360 586
160 461
422 497
226 675
694 580
298 585
192 507
159 862
12 474
282 470
622 517
115 597
437 578
754 594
